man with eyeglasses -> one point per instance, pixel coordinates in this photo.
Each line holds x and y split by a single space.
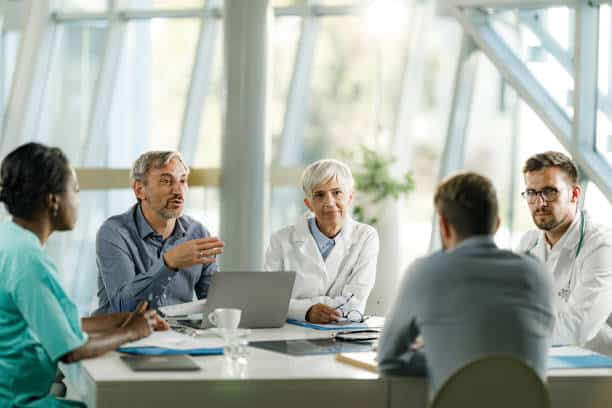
576 248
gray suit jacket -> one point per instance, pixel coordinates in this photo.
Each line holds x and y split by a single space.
473 300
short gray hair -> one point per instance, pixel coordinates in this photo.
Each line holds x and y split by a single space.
153 160
322 171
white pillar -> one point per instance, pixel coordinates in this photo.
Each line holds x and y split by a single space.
244 189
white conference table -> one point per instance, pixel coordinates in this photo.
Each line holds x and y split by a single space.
270 379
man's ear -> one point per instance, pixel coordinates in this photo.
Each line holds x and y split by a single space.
445 231
139 190
576 193
497 223
307 204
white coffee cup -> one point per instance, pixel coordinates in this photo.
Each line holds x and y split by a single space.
225 318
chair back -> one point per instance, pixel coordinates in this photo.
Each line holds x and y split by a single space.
494 381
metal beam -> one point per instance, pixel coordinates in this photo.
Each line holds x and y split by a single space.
454 147
3 11
594 165
564 58
217 12
201 77
94 146
514 4
586 68
514 71
21 117
292 136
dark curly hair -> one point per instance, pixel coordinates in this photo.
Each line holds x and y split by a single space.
28 174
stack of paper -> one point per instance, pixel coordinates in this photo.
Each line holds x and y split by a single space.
171 343
376 322
184 309
366 361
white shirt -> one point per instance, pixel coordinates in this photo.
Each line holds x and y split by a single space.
349 269
581 264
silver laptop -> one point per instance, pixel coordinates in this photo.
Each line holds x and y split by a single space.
263 297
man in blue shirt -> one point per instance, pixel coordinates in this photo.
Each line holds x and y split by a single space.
153 252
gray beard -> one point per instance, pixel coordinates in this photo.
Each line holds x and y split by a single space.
169 214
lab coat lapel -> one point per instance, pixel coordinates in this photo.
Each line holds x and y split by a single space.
339 253
308 247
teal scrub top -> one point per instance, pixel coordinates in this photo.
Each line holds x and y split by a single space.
38 322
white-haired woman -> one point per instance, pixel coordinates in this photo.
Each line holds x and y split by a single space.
334 257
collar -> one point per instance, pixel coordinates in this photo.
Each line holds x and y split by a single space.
144 228
321 239
476 241
302 232
29 235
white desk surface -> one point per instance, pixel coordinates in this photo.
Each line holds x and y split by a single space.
273 379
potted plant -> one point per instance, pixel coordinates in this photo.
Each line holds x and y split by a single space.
375 183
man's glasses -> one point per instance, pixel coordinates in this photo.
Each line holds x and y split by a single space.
547 194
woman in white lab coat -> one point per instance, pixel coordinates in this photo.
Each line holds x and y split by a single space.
334 256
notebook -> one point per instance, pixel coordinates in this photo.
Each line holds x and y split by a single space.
366 361
160 363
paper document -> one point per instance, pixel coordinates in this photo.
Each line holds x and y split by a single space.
184 309
172 340
375 322
367 361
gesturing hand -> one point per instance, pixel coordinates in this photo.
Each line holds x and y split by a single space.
193 252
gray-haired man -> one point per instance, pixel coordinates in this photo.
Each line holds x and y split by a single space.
152 251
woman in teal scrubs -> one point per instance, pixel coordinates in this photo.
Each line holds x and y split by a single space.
39 324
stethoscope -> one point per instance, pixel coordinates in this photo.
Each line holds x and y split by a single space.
565 292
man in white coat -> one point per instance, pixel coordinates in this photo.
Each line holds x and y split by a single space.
334 257
576 249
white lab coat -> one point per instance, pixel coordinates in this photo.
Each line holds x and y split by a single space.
350 268
582 284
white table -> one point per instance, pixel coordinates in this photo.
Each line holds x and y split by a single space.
276 380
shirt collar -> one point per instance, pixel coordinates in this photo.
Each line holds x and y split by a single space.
477 241
144 228
30 236
321 239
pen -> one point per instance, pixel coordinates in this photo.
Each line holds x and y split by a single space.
346 302
142 306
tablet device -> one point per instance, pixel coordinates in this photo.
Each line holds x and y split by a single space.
160 363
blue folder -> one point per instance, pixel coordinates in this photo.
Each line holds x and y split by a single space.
160 351
330 326
588 361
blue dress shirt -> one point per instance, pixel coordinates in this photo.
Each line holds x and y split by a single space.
131 267
324 243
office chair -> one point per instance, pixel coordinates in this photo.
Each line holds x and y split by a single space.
494 381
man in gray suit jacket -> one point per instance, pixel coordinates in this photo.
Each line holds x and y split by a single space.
471 298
